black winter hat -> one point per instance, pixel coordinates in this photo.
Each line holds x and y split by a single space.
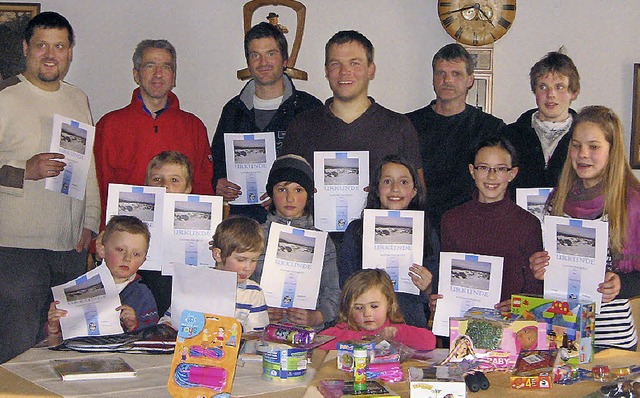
292 168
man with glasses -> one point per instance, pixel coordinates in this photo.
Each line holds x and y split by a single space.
127 139
449 129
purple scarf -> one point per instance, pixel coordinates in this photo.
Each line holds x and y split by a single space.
585 203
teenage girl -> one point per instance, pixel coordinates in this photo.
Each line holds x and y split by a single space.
394 186
491 224
369 307
597 184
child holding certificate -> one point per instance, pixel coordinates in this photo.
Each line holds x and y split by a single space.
369 307
597 183
491 224
394 186
290 186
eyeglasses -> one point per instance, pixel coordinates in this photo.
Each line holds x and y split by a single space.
500 170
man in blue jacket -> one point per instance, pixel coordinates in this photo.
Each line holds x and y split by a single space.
268 102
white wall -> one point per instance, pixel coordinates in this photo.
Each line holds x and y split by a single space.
600 36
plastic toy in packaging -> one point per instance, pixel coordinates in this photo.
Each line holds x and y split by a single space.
204 361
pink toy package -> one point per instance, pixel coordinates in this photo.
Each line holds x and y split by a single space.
204 361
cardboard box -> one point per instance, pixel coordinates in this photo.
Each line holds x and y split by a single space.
345 353
494 338
567 323
542 381
437 389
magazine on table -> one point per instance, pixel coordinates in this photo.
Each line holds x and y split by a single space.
189 222
393 240
578 251
473 281
248 159
91 301
145 203
293 266
74 140
92 368
340 179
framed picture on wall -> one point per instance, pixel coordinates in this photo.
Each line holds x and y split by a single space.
13 20
483 58
634 156
481 94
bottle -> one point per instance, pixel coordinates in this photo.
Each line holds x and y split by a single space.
359 368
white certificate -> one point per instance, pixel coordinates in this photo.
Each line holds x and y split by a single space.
293 267
340 179
578 251
533 200
393 240
189 222
91 301
466 280
203 289
249 158
146 203
75 141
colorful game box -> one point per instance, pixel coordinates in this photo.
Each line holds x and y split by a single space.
204 361
534 369
494 338
568 324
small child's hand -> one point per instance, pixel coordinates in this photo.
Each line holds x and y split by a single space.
420 276
53 317
503 306
128 318
538 263
388 333
275 314
301 316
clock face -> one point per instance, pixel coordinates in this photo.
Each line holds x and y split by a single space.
477 23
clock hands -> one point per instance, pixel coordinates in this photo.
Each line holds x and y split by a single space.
485 15
460 9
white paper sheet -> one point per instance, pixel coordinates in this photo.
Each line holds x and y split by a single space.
578 251
340 179
74 140
533 200
146 203
466 280
249 158
393 240
293 267
202 289
188 224
91 301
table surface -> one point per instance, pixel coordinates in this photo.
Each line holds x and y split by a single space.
31 374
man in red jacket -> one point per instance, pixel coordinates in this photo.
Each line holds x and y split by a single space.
127 138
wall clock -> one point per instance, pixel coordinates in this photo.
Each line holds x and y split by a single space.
477 23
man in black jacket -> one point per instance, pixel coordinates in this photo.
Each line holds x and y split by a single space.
268 102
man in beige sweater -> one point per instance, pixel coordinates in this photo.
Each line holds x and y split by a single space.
45 234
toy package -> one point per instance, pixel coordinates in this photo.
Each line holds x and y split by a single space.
204 361
534 369
568 324
493 337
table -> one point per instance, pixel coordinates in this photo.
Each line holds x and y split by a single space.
30 374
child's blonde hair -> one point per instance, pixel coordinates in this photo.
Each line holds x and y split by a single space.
361 282
618 178
128 224
170 157
238 234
